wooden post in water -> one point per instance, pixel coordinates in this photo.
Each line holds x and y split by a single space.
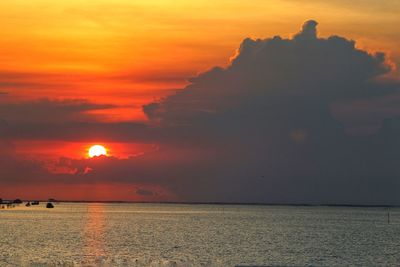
388 216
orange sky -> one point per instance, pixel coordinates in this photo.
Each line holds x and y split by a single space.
127 53
130 52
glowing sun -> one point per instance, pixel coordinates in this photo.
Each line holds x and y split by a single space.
97 150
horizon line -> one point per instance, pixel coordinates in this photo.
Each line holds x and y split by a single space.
214 203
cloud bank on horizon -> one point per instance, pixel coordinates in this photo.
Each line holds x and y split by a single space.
300 120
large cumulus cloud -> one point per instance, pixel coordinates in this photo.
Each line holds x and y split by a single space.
270 119
302 70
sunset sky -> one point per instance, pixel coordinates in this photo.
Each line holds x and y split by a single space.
140 78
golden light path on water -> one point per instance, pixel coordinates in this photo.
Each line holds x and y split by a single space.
94 234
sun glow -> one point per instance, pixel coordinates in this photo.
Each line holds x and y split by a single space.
97 150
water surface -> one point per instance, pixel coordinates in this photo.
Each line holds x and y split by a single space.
83 234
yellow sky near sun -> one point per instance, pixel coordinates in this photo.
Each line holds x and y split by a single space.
129 52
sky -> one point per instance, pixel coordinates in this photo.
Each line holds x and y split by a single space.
275 101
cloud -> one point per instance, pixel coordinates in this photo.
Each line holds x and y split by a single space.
144 192
50 111
269 117
81 131
157 76
271 127
11 81
264 71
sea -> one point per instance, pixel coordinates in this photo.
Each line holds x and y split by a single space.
99 234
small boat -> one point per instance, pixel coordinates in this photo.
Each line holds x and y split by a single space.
49 205
35 203
28 204
17 201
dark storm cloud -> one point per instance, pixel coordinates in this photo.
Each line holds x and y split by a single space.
269 117
271 127
305 68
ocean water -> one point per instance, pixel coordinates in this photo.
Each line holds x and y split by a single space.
83 234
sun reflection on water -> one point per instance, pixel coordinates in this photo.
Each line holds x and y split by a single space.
94 234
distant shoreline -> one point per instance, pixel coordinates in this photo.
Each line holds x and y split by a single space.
222 203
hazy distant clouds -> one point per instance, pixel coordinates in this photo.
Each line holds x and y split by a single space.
144 192
47 110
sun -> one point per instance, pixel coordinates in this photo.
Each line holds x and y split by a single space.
97 150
